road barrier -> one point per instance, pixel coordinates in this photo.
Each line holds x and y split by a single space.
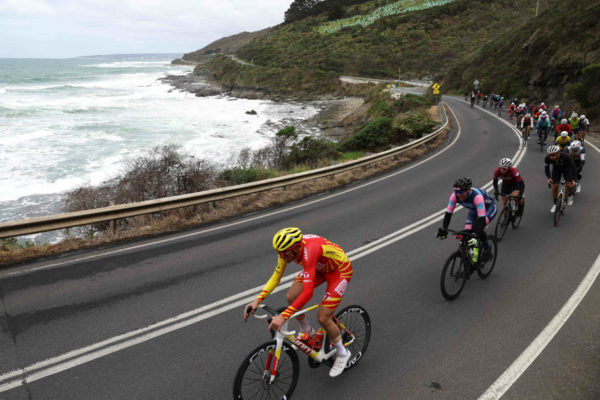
111 213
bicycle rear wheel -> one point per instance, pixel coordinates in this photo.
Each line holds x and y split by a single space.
517 218
454 276
252 380
502 223
558 209
354 323
486 267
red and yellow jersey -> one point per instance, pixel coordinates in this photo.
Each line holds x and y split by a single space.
318 256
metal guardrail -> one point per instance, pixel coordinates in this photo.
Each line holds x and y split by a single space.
106 214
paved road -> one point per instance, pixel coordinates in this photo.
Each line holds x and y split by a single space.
161 319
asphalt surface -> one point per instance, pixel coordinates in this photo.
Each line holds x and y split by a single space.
140 321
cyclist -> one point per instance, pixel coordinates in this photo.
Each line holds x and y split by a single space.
472 99
500 105
563 126
542 107
482 210
511 110
322 261
584 127
563 140
485 101
543 126
556 115
512 182
562 165
478 97
577 153
526 125
574 122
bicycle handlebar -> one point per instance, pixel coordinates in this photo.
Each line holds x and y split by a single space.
273 313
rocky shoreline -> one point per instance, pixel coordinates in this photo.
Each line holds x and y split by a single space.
336 120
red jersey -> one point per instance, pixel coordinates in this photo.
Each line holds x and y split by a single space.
562 127
510 176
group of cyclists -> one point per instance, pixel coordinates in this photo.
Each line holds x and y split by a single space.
323 261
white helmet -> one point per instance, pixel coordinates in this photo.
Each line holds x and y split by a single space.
582 116
556 106
564 134
576 145
574 115
505 162
564 121
553 149
527 115
544 113
542 104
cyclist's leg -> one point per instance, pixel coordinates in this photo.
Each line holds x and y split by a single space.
295 290
337 283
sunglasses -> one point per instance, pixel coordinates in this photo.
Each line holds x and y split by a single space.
460 191
285 253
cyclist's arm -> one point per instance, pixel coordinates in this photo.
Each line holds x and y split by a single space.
308 284
495 182
480 222
547 167
449 211
274 280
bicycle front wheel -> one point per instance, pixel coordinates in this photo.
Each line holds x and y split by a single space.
558 209
252 380
354 323
486 267
502 223
454 276
517 218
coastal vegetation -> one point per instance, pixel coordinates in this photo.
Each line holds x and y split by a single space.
502 44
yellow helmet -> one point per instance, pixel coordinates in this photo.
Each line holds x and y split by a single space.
287 238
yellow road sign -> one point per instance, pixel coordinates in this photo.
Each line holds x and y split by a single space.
435 86
436 91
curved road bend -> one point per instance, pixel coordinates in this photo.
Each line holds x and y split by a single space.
140 321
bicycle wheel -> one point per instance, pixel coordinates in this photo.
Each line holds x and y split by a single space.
252 382
502 223
454 276
354 322
486 267
517 218
558 209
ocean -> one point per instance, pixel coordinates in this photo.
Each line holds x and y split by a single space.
66 123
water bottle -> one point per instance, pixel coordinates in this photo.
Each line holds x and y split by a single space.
319 339
307 338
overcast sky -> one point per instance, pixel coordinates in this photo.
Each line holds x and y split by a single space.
70 28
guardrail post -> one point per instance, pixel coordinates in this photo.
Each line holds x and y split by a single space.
211 205
113 222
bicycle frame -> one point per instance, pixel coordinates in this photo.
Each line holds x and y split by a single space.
283 334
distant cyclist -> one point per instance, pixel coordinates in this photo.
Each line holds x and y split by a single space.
556 115
322 261
563 140
584 127
500 105
577 153
472 99
512 183
574 122
562 165
543 127
526 126
481 207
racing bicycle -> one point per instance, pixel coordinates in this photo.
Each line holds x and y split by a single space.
561 201
271 370
509 216
466 260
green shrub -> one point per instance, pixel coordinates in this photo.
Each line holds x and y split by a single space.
413 124
310 150
240 175
373 134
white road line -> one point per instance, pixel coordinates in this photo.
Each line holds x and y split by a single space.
510 376
77 357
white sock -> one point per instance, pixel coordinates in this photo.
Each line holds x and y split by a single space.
305 325
339 346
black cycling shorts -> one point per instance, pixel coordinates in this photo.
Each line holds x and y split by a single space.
567 173
509 187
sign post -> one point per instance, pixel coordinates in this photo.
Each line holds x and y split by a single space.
436 91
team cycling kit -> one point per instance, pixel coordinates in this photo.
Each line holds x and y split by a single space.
511 181
322 261
563 165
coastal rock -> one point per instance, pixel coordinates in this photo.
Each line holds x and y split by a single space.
251 112
193 84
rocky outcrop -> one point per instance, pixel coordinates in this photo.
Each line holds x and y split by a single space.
193 84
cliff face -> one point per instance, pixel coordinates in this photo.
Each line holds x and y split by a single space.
226 45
